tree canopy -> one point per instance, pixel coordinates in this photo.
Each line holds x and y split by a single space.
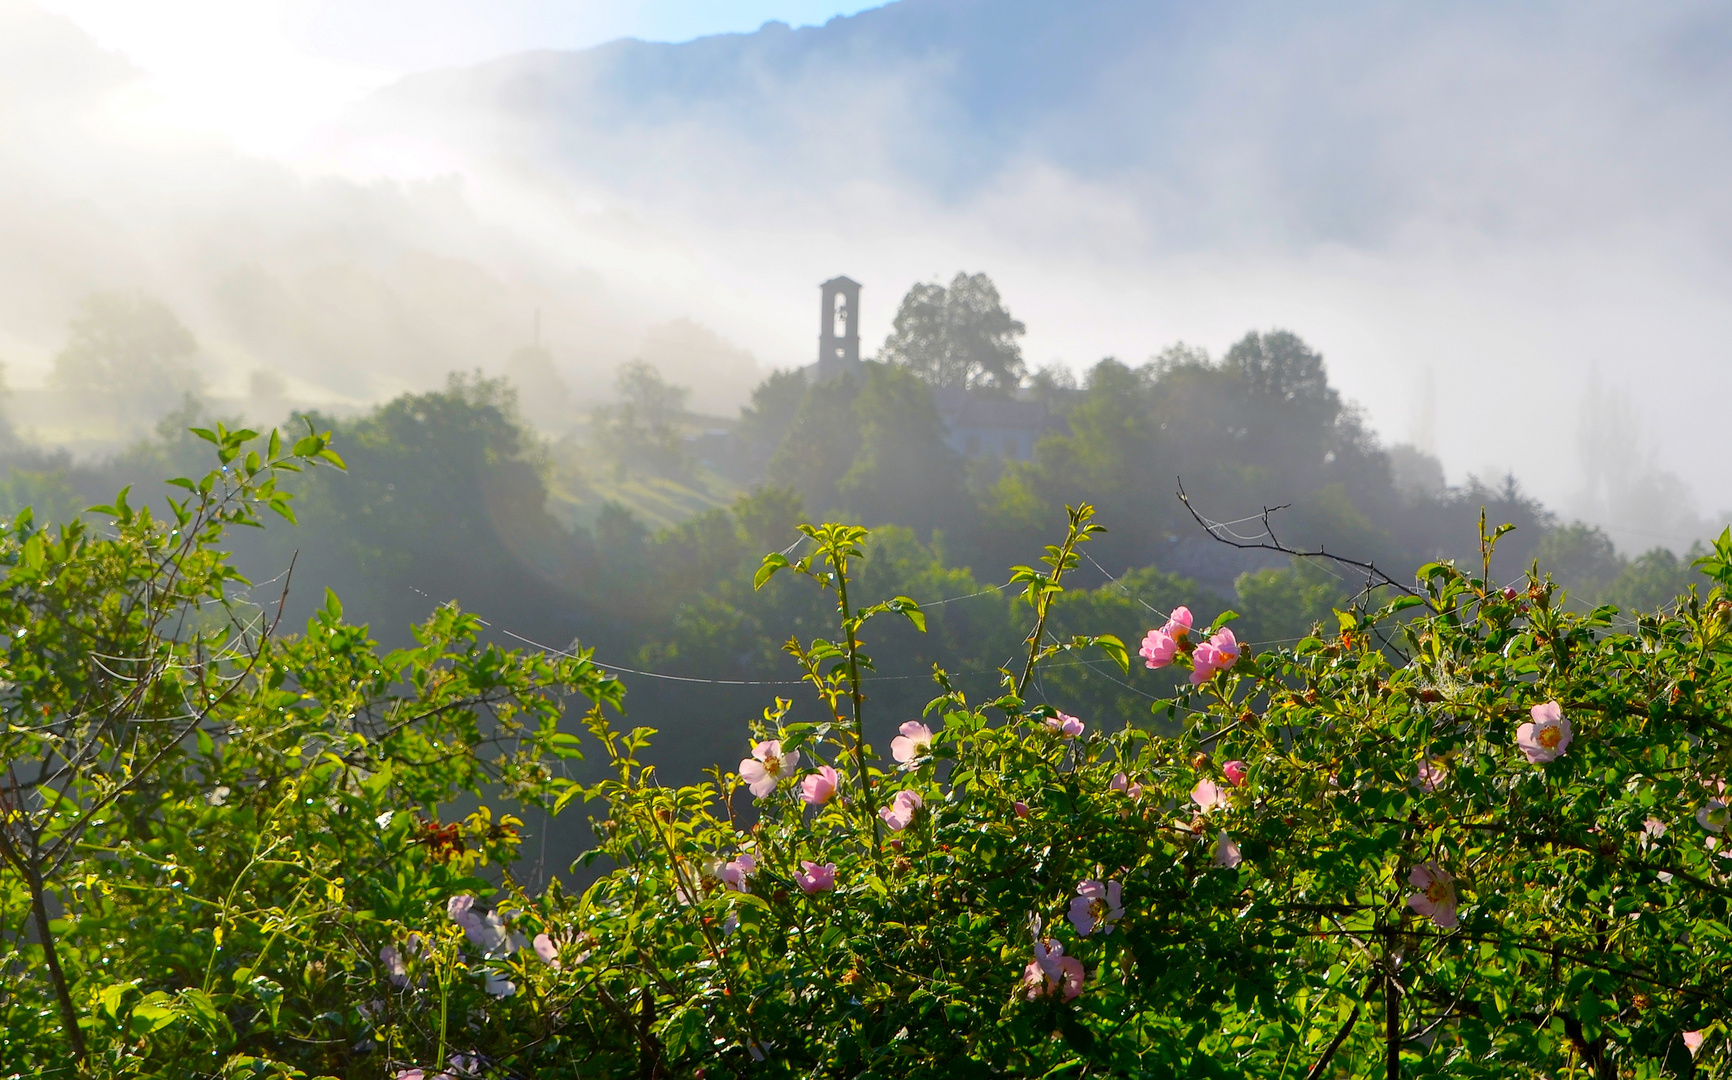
958 337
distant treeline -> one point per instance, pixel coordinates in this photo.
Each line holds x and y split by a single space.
446 498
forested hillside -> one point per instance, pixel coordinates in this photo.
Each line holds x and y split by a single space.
447 499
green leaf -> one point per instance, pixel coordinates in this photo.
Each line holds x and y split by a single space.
772 563
1115 649
1221 620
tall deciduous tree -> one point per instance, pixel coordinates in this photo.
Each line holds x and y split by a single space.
127 355
961 336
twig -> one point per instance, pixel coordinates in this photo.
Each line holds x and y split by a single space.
1317 1070
1373 576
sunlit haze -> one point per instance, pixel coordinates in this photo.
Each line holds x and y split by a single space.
265 73
1487 220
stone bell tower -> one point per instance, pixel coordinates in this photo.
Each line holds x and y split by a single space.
839 331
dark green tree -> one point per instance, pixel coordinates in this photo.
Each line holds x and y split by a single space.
958 337
641 432
904 472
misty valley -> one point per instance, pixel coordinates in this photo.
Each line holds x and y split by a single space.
1225 591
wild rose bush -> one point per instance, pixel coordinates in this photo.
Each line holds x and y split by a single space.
1463 833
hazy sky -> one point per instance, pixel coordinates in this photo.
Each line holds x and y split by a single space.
265 73
1504 202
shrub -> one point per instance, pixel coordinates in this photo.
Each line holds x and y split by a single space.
1462 832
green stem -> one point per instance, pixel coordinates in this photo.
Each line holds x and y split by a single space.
857 699
1044 605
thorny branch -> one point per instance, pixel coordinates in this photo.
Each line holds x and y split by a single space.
1374 578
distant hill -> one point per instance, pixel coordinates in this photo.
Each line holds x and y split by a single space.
1510 196
1241 122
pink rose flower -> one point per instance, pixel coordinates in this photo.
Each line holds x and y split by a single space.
1052 972
1547 736
1219 653
547 951
1096 907
394 969
733 874
815 877
816 789
1209 795
486 931
1692 1041
1160 646
1235 772
1121 782
1714 816
1436 897
767 767
1064 726
1431 775
1019 808
901 810
1227 853
915 742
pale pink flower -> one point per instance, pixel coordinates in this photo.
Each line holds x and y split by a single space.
901 810
1652 830
1547 736
1227 853
471 1064
1431 775
486 931
1209 795
915 742
1123 783
733 874
1019 808
394 969
1052 972
547 951
1714 816
1096 907
1160 646
371 1011
1064 726
1235 772
1219 653
1693 1041
815 877
817 788
1436 896
767 767
410 1074
496 984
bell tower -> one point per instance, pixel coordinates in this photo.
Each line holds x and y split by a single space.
839 330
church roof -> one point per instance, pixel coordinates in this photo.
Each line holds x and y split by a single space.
840 281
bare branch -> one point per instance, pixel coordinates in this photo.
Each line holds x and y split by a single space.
1374 577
